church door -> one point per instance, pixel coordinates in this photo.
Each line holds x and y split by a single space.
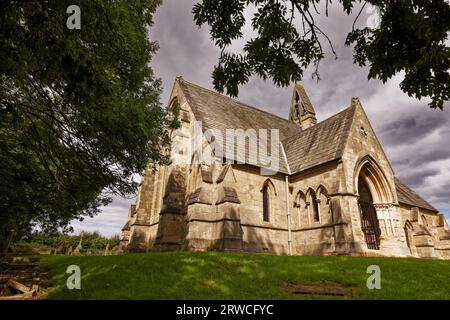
369 219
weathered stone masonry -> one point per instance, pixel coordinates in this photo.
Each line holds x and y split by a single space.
342 193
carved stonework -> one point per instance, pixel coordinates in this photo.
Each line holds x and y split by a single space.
334 192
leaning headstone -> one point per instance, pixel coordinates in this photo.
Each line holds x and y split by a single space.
79 247
69 251
106 253
15 285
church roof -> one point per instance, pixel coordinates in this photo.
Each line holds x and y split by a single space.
217 111
319 144
220 112
304 148
407 196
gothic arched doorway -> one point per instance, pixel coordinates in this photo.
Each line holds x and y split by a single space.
369 219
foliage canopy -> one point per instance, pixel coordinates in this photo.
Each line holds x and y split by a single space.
410 38
79 109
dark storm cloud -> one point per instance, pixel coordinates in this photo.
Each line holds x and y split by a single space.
423 138
441 194
415 138
184 48
416 178
413 127
430 154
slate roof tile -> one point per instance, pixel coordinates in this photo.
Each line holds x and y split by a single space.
305 149
407 196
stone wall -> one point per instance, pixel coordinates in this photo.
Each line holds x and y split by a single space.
331 233
427 232
194 205
364 158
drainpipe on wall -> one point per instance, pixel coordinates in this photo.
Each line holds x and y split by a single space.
288 208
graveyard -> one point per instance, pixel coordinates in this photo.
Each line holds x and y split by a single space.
222 276
21 276
92 267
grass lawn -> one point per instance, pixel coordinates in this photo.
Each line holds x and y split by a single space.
216 275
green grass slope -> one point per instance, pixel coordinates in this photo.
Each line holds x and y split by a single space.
216 275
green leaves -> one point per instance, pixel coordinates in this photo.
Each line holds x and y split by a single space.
410 39
225 17
231 70
79 109
278 52
90 241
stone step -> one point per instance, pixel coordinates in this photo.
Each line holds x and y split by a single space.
20 270
25 280
19 254
20 259
18 266
21 274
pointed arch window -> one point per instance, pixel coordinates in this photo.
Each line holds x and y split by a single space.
301 208
268 191
424 220
324 205
409 236
315 207
266 203
174 110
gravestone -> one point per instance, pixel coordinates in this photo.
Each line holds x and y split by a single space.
106 253
79 247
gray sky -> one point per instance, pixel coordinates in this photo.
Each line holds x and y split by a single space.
415 138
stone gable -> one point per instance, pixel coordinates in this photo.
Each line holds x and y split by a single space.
335 191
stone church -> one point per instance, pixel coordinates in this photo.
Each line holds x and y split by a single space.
334 191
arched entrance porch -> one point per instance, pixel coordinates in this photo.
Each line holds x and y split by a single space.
375 202
369 220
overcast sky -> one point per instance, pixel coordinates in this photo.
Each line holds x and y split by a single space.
415 138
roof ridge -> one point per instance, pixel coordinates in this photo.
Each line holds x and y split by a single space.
235 100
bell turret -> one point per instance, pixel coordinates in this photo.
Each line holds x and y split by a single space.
302 111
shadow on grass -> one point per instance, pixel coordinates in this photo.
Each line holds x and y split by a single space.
218 275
